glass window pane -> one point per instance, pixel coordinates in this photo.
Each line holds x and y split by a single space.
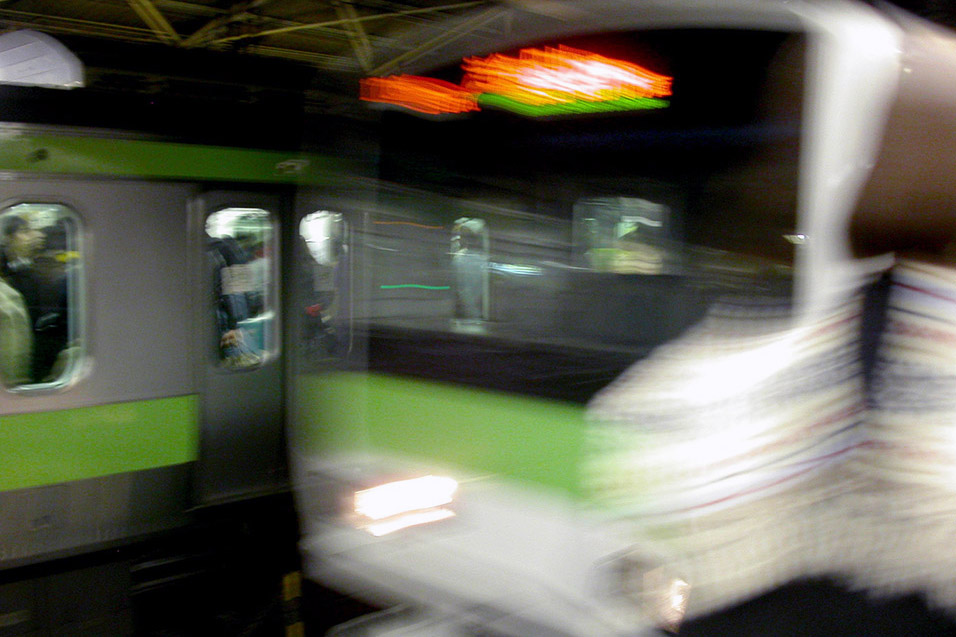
469 259
626 235
40 266
324 282
240 249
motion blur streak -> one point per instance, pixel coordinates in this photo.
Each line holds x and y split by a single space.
400 522
905 511
539 82
788 475
404 496
562 74
421 94
724 445
394 506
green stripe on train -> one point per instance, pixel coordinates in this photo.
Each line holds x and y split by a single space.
53 154
533 440
72 444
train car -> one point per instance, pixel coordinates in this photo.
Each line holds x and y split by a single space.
583 358
589 362
142 402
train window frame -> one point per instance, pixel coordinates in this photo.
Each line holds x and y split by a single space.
266 335
72 356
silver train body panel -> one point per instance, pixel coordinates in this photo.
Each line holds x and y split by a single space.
147 335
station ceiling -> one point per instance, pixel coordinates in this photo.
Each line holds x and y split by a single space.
332 35
241 50
339 36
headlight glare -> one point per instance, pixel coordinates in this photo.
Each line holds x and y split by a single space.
396 505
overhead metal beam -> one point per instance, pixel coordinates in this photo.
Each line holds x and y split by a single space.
204 33
125 33
339 22
446 37
321 60
356 32
61 24
148 12
190 8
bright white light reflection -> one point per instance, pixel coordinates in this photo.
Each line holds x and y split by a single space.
405 496
797 239
740 369
406 520
674 604
521 270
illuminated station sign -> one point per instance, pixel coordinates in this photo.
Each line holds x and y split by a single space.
539 82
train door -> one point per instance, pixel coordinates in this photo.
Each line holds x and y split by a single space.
242 448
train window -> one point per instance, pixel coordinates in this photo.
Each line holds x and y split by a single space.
240 250
40 267
626 235
469 258
325 282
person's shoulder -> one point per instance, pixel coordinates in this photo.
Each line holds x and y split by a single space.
9 295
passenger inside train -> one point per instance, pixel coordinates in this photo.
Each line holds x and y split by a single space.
239 247
16 336
36 261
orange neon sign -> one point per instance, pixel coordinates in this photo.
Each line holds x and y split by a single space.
540 81
552 75
422 94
